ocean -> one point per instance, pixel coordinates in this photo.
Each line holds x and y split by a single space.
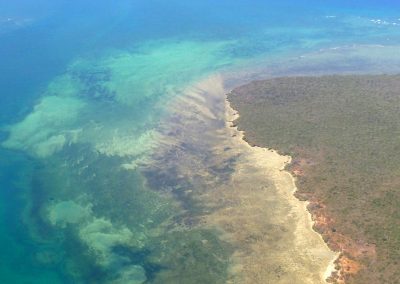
111 113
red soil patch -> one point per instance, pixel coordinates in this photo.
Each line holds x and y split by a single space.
351 251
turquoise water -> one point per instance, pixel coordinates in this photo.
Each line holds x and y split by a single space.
85 87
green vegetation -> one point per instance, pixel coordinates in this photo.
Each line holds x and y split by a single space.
344 132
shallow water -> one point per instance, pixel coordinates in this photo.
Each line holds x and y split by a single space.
116 162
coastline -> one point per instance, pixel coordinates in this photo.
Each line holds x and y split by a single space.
242 192
324 123
308 219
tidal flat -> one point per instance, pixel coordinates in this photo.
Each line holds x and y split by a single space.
242 192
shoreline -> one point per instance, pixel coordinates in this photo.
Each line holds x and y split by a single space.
324 123
231 115
244 192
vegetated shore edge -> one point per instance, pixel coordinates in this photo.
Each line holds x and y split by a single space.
340 130
232 115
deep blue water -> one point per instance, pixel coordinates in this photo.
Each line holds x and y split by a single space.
159 47
44 37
